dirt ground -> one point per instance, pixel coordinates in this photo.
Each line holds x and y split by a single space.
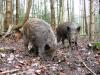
83 61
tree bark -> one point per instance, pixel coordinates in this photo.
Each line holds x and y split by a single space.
62 12
1 16
53 19
99 7
72 10
27 11
68 10
26 17
8 18
59 11
86 27
17 12
91 25
16 27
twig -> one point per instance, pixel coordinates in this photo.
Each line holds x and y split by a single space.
9 71
86 66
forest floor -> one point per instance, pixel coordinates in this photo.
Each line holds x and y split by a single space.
83 61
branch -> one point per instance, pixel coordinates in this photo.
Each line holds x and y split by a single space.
9 71
88 68
8 31
80 59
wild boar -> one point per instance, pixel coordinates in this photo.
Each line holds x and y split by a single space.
69 31
41 36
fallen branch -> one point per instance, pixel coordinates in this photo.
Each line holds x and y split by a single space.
88 68
8 31
80 59
9 71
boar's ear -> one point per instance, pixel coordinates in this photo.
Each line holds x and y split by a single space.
78 29
68 28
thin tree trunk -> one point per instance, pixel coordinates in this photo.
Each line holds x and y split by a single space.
83 17
86 27
27 11
99 7
12 27
2 16
26 17
80 13
53 19
38 9
8 18
17 12
68 9
59 14
99 17
72 11
33 8
62 12
91 26
45 9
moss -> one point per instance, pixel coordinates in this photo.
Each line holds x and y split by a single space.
97 44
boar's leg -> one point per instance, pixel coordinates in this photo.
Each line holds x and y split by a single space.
70 44
76 45
58 38
26 42
34 50
63 41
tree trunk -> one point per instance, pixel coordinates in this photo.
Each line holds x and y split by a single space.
12 27
68 10
59 10
53 19
45 9
8 18
62 12
91 25
99 7
1 16
72 11
99 16
17 12
27 11
26 17
83 20
32 8
1 6
38 15
86 27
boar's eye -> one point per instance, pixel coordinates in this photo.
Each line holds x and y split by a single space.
78 29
